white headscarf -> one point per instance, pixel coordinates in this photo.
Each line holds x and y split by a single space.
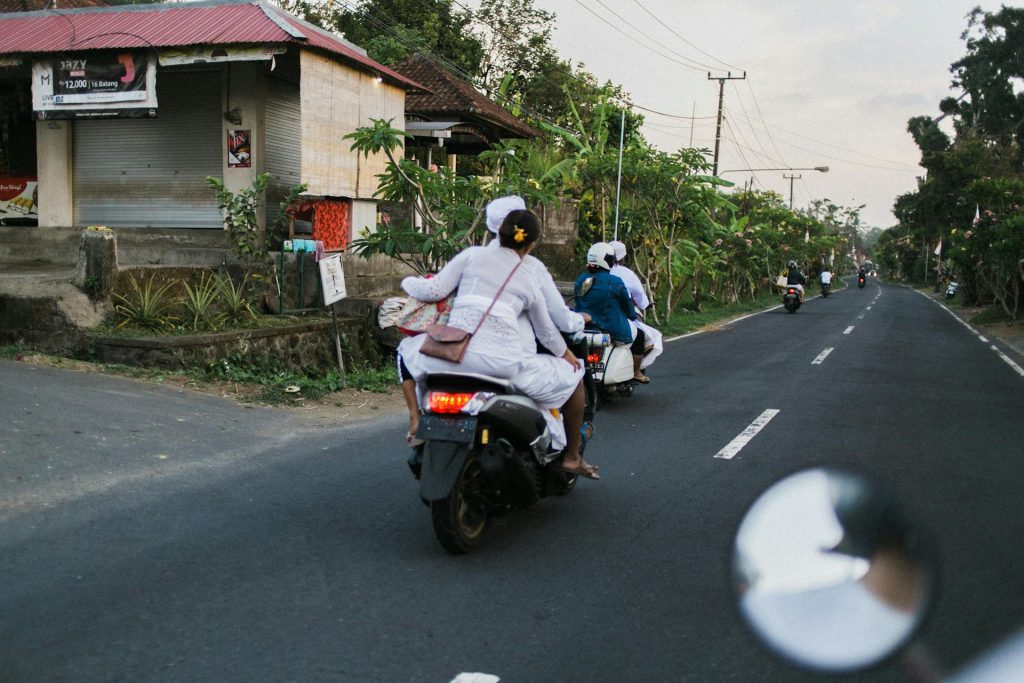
498 209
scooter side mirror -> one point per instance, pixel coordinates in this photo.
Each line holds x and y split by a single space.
830 573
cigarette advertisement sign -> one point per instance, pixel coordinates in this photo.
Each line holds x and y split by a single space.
239 148
95 85
18 201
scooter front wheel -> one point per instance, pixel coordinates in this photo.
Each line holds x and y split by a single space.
461 519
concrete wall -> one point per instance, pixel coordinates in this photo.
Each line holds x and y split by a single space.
336 100
244 89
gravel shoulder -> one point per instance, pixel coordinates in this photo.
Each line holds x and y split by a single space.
347 406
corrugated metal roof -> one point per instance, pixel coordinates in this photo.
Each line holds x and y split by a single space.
172 25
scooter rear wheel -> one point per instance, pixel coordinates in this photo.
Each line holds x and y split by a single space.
460 520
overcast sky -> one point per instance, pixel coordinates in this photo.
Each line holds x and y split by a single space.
829 83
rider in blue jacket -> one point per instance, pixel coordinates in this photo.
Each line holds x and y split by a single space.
605 297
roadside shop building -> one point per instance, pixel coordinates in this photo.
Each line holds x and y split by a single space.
116 115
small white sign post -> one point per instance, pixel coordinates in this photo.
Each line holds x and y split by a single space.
332 281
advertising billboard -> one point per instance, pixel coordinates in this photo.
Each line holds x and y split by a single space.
95 85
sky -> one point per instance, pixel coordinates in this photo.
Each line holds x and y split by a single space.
828 83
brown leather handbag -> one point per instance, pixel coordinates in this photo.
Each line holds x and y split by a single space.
450 343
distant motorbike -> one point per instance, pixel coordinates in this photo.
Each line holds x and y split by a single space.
791 299
951 290
487 451
826 289
860 281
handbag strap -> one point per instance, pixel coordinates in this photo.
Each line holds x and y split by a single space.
496 296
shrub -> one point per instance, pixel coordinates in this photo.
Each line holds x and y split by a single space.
147 306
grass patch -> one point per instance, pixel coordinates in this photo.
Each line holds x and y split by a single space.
991 316
683 321
378 380
13 351
279 384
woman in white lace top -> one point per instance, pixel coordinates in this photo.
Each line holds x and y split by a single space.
478 272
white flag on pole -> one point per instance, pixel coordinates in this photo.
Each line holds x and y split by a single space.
938 248
977 217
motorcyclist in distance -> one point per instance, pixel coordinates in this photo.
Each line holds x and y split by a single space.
795 278
604 296
826 277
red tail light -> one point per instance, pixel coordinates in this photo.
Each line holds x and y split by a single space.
594 358
448 403
791 290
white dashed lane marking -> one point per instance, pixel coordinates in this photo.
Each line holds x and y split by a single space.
822 356
737 444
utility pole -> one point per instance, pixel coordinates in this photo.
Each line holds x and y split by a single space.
721 96
791 178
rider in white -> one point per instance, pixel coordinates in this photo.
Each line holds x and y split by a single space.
826 276
655 344
565 320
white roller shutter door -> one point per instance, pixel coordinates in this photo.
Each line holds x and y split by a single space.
152 172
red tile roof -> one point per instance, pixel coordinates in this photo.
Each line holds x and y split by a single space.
450 95
173 25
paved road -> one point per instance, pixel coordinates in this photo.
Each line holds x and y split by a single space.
149 534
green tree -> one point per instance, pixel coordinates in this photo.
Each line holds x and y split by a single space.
391 30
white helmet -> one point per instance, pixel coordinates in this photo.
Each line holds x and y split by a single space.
601 255
498 209
619 248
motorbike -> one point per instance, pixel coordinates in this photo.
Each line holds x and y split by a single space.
826 289
860 281
951 290
791 298
486 451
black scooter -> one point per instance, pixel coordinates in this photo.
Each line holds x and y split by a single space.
860 281
486 451
791 299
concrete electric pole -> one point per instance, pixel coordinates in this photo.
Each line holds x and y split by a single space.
721 96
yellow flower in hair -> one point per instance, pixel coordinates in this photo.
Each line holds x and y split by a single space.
520 235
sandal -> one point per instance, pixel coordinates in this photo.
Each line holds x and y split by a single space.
584 470
642 379
586 432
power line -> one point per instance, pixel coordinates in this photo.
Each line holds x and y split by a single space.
829 144
661 45
778 160
671 59
761 116
637 3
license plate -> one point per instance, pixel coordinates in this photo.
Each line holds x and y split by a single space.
596 367
461 429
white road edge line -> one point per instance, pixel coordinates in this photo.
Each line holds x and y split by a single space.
848 330
822 356
737 444
1009 361
727 322
983 339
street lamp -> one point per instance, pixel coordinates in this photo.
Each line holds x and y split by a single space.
791 178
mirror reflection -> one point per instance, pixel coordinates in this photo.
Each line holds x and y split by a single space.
828 571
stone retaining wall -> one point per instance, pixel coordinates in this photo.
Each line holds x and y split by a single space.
305 346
